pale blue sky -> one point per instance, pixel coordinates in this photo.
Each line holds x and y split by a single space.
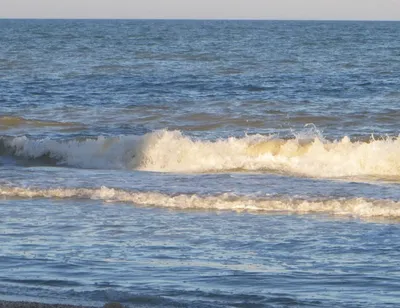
248 9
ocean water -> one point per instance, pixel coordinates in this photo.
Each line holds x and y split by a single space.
200 163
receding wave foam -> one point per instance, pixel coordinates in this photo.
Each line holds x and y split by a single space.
170 151
358 207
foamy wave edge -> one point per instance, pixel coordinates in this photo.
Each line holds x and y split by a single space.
357 207
171 151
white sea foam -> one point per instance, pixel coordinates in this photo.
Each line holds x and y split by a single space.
170 151
358 207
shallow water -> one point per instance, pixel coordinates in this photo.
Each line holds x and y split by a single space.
200 163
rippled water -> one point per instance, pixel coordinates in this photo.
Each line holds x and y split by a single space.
200 163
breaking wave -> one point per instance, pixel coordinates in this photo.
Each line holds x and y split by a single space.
359 207
171 151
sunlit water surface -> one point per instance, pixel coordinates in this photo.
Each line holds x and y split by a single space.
200 163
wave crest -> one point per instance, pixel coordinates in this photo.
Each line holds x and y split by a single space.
170 151
358 207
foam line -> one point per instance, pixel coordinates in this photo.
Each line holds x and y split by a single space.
358 207
171 151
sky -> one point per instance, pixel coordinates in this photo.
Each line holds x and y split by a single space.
204 9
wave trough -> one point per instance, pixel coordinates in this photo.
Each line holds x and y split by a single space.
7 122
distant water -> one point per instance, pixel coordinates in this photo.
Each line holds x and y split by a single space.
200 163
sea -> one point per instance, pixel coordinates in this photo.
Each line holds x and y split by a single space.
200 163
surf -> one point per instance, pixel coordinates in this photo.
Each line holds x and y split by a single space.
172 151
354 207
